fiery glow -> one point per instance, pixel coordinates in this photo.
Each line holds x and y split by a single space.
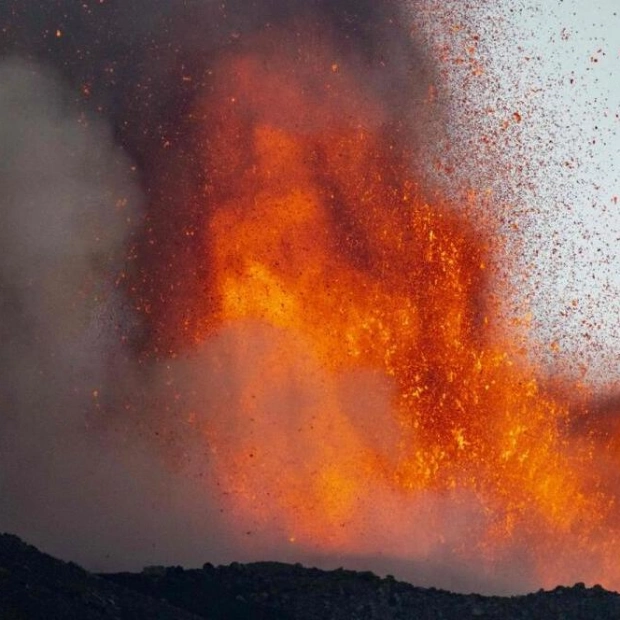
370 390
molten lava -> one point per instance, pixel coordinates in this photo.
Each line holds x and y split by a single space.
345 325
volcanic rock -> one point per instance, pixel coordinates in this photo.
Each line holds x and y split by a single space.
36 586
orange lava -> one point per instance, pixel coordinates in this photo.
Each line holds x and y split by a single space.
370 390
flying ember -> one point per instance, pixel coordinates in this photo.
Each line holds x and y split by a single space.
359 396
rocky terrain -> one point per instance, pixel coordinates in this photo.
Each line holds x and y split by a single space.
36 586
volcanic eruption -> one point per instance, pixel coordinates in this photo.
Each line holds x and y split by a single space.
304 319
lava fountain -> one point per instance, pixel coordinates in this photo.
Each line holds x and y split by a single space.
349 380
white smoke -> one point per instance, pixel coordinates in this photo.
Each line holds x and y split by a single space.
69 199
106 499
68 202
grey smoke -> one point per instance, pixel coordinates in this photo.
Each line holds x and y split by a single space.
77 476
68 203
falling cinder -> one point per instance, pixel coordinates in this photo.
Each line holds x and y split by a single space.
92 102
170 393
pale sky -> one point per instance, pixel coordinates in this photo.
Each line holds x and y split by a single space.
557 64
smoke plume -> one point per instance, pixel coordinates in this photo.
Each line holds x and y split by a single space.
135 427
92 125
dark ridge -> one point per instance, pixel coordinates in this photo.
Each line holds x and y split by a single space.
34 586
292 591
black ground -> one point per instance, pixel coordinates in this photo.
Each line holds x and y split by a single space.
36 586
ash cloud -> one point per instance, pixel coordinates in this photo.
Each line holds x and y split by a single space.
66 199
93 132
69 204
128 60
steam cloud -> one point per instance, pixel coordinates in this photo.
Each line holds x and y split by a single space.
69 203
82 473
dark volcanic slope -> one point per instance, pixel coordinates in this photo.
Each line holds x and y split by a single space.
285 591
36 586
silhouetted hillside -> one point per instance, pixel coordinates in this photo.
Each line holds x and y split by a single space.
36 586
